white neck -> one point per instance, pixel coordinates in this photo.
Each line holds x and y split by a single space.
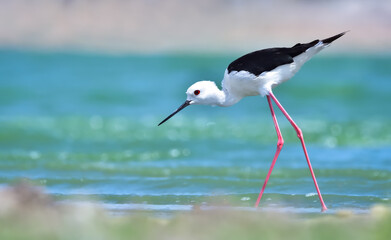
226 99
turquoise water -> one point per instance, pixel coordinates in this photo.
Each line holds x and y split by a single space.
84 126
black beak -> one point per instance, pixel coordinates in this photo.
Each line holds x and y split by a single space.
187 103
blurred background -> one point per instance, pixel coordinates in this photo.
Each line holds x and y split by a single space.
119 26
83 85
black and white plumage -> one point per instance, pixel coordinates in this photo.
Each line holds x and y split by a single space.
254 74
269 67
268 59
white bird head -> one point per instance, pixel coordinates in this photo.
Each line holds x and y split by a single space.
203 93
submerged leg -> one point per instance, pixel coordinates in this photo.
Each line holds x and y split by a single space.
280 143
300 135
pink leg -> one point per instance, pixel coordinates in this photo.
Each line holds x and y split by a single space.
300 135
280 143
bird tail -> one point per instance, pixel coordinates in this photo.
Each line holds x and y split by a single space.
312 48
333 38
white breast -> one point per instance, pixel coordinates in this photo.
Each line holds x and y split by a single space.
243 83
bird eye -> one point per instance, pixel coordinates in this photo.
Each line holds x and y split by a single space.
196 92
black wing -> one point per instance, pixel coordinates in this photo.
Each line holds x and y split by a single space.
268 59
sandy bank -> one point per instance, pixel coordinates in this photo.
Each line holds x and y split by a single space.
174 25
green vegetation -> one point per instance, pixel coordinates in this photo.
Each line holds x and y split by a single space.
27 213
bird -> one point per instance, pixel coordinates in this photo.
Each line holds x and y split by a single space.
257 73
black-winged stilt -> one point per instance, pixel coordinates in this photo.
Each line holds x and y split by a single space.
254 74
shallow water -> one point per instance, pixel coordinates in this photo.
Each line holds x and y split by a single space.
84 126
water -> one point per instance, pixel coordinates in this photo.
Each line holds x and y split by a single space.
84 126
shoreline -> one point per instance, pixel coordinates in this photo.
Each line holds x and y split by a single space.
202 26
29 208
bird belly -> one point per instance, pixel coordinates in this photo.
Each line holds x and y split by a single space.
277 76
